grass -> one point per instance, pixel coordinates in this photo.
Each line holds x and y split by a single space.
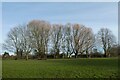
0 68
61 68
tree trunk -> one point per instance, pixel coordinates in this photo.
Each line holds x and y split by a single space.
17 53
21 52
105 53
76 54
87 54
26 56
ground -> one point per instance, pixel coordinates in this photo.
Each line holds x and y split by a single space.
0 68
61 68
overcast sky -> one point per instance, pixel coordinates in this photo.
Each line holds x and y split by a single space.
91 14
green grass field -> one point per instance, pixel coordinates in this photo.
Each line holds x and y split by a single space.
61 68
0 68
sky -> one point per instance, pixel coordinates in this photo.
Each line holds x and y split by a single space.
91 14
60 0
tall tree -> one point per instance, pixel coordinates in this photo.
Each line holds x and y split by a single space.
13 41
19 41
26 42
68 39
56 38
39 31
107 40
82 39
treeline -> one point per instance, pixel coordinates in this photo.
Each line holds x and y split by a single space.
42 39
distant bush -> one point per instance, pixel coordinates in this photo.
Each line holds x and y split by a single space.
97 54
5 55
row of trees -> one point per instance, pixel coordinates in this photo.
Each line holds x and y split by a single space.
43 38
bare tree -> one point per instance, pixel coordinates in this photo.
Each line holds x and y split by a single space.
107 40
89 40
82 39
18 41
39 31
26 42
56 38
68 39
13 41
